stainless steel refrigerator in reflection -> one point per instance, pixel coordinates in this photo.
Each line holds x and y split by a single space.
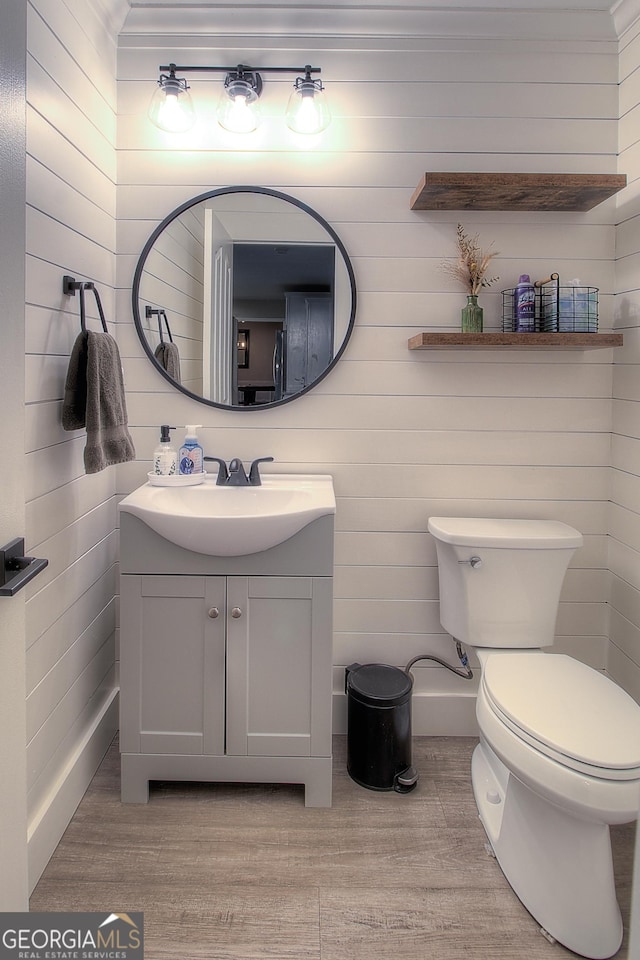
278 366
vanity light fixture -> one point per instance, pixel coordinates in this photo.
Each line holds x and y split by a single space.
171 108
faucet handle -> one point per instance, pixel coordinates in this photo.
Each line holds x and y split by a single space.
254 473
223 473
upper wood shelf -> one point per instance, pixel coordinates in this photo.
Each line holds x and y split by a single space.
515 191
581 341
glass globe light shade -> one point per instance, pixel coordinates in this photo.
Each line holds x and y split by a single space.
308 110
171 108
238 109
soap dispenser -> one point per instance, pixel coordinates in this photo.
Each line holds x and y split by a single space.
165 458
190 458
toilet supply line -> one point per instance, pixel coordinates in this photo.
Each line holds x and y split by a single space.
466 673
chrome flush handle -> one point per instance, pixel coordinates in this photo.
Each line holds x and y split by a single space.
473 562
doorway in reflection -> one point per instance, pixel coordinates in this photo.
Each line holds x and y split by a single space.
283 297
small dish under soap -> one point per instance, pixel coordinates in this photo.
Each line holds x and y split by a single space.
176 479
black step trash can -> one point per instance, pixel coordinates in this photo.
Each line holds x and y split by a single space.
379 727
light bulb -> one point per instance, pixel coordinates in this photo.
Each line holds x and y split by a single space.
238 107
307 110
307 118
171 108
170 115
240 118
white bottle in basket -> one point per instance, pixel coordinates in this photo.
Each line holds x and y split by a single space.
572 308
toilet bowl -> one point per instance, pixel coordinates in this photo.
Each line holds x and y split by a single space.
559 753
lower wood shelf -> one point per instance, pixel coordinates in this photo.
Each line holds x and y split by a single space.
561 341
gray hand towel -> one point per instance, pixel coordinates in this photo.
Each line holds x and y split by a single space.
94 398
169 359
74 405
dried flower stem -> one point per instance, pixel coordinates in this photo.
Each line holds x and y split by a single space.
471 266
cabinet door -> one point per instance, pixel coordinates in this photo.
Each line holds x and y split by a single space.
279 666
172 664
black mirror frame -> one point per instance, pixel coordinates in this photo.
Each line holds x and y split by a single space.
208 196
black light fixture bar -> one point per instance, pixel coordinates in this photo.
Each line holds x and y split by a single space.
241 68
171 108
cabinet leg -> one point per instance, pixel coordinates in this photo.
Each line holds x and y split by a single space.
317 786
134 788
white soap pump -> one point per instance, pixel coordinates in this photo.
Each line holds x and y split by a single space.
165 458
190 458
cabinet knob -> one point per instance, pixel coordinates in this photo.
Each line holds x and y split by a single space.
214 612
236 612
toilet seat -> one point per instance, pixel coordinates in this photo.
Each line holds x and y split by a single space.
567 711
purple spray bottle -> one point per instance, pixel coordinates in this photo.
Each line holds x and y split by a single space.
524 306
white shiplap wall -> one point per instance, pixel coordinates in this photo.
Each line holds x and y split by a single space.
70 517
624 525
405 435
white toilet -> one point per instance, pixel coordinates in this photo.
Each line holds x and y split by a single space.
559 752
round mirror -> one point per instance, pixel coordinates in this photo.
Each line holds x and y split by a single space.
244 298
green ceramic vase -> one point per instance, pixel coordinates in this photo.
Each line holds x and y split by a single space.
472 315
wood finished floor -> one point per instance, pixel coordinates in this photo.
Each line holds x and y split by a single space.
246 872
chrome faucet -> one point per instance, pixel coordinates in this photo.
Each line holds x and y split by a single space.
235 475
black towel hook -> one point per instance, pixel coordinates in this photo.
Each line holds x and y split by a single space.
161 314
69 287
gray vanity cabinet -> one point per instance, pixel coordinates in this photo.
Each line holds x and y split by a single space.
225 677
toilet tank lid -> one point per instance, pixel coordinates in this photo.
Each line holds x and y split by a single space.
511 534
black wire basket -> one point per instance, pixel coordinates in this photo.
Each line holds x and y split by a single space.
558 309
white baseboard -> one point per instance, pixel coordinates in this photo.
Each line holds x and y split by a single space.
433 715
51 820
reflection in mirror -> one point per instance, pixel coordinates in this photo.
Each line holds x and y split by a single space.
237 267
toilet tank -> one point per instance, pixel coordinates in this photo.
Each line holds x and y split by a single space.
509 599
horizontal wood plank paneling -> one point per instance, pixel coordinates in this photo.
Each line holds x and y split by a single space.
392 236
68 73
48 146
521 435
419 97
70 616
405 436
426 23
92 610
340 204
623 662
443 134
349 169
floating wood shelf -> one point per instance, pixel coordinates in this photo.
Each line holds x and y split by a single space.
562 341
515 191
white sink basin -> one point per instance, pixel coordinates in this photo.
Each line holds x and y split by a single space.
233 521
